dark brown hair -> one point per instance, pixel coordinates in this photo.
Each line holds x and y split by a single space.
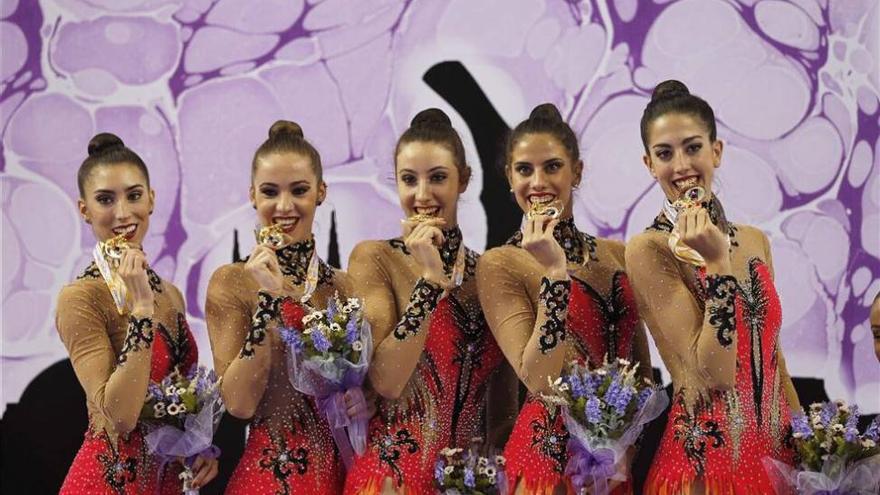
287 137
544 119
107 149
673 96
432 125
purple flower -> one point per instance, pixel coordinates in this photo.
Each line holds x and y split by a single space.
319 340
291 337
617 395
592 410
352 332
469 480
155 391
331 308
851 434
873 431
591 383
828 412
578 389
800 426
643 396
438 471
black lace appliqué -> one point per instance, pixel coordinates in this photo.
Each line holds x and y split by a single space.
452 240
118 470
282 462
695 436
92 272
179 345
550 440
579 246
267 309
139 336
449 249
553 298
293 260
392 447
422 301
721 306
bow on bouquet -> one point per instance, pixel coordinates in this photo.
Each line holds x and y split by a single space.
605 410
183 411
329 352
466 472
834 457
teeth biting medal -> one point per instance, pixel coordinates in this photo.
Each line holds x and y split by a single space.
552 209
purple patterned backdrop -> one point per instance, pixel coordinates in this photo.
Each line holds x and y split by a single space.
193 85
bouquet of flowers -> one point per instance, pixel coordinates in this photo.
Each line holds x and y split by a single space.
604 410
183 411
329 351
465 472
834 457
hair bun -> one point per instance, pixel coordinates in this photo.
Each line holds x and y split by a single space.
431 117
546 111
104 142
669 89
285 128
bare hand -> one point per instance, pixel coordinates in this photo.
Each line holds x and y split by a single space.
538 240
423 242
133 271
699 233
204 470
262 265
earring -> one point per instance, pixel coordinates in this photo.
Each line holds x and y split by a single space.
254 206
511 189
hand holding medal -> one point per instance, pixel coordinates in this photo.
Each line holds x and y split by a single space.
694 235
124 271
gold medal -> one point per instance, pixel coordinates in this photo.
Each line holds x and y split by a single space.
418 218
107 255
552 209
271 236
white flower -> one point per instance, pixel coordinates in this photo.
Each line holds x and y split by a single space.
181 408
448 470
159 406
335 328
357 346
482 461
826 445
492 479
490 472
353 303
564 387
481 471
499 459
448 452
181 391
173 409
837 428
868 443
169 390
797 435
346 310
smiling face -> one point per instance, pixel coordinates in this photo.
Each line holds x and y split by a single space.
428 181
680 154
285 191
117 201
541 171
